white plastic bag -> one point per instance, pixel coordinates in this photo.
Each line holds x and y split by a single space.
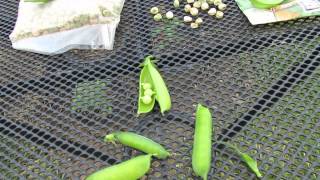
61 25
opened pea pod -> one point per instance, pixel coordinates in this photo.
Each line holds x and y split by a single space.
152 88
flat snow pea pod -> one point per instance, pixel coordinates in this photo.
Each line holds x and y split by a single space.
201 153
250 162
162 94
132 169
138 142
145 79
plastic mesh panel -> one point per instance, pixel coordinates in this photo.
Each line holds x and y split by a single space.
261 82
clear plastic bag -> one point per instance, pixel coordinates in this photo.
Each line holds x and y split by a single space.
61 25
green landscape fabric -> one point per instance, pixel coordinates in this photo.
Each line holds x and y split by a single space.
288 10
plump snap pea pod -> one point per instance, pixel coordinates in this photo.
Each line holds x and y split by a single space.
150 74
250 162
138 142
132 169
201 153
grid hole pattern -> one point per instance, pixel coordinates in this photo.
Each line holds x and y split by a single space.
261 83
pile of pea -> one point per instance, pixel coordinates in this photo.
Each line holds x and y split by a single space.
193 7
152 88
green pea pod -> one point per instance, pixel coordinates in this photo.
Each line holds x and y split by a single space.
266 4
132 169
138 142
151 75
37 1
201 153
145 78
250 162
162 93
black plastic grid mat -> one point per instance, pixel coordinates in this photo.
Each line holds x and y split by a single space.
261 82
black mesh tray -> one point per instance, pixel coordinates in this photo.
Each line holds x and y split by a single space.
261 82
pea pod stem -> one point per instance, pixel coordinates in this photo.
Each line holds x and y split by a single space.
251 163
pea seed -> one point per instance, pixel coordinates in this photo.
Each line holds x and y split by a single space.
146 86
154 10
204 6
194 11
187 8
219 14
132 169
197 4
187 19
176 3
210 1
138 142
169 15
194 25
146 99
212 11
217 2
199 21
148 92
222 6
157 17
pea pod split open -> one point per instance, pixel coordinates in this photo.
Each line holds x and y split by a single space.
150 75
201 153
138 142
132 169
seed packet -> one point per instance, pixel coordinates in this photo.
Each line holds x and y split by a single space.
287 10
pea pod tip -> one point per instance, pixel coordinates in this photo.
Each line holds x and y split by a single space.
109 138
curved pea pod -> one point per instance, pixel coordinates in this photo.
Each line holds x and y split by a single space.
162 94
132 169
201 153
138 142
145 78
